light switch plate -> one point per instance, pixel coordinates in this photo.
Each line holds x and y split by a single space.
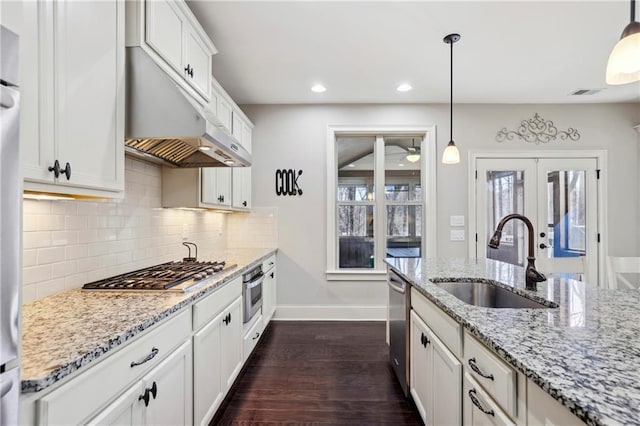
456 220
457 235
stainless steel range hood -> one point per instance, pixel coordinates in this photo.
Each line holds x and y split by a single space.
166 125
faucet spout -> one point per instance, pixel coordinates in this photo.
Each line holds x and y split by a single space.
532 275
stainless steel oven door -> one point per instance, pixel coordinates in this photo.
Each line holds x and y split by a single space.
252 297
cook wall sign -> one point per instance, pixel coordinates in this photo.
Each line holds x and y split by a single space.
287 182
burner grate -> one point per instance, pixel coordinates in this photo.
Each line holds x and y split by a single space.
158 277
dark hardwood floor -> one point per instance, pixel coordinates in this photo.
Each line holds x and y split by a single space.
318 373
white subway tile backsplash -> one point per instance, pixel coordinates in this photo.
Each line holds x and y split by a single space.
69 243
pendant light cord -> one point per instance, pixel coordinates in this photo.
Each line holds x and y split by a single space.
633 10
451 97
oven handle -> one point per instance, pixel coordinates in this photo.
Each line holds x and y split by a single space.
256 282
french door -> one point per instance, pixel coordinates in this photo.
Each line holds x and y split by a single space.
558 195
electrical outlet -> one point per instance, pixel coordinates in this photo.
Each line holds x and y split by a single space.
185 231
457 235
456 220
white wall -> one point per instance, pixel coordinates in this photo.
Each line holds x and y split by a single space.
69 243
294 137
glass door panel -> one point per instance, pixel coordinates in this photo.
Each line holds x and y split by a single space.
504 187
567 240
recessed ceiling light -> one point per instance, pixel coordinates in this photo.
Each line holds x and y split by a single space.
318 88
404 87
401 165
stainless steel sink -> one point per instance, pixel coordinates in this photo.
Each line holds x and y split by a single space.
488 295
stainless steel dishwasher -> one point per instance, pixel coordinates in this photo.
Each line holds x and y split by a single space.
399 304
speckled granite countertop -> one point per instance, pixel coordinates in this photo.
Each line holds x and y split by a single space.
67 331
585 353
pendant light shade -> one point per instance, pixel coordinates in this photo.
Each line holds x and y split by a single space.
624 62
451 155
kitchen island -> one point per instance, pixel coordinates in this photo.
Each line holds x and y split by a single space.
584 353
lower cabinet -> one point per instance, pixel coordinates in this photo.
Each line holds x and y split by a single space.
542 409
269 286
217 349
436 376
163 396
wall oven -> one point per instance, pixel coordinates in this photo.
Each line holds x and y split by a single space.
252 293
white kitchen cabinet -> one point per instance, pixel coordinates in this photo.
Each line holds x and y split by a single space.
252 336
176 37
217 348
269 289
542 409
241 187
436 376
162 397
106 389
76 130
170 390
222 105
209 187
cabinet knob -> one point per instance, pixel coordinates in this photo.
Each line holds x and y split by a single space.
66 171
543 246
244 203
55 168
145 397
154 390
272 275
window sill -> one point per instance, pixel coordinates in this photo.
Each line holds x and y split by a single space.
356 275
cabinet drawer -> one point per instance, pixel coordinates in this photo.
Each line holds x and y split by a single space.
213 304
252 337
269 263
445 327
493 374
83 395
479 408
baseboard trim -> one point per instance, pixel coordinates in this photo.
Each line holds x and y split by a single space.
330 313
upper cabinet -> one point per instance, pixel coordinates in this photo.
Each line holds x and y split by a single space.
170 33
73 107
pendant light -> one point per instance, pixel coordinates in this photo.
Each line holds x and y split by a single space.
451 155
414 154
624 62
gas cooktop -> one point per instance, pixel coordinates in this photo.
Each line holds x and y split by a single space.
177 276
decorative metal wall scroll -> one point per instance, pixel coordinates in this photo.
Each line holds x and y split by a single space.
536 130
287 182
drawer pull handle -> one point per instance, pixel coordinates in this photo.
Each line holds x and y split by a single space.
154 390
476 402
256 336
476 369
152 354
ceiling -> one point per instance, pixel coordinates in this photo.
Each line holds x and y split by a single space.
510 51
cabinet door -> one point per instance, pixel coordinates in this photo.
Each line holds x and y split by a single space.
198 59
236 128
232 344
269 296
171 403
241 183
223 112
446 385
246 137
89 92
207 377
36 92
420 361
164 28
128 409
216 186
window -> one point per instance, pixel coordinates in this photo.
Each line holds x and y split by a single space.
375 200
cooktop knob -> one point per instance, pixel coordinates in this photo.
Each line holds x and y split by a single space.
209 271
